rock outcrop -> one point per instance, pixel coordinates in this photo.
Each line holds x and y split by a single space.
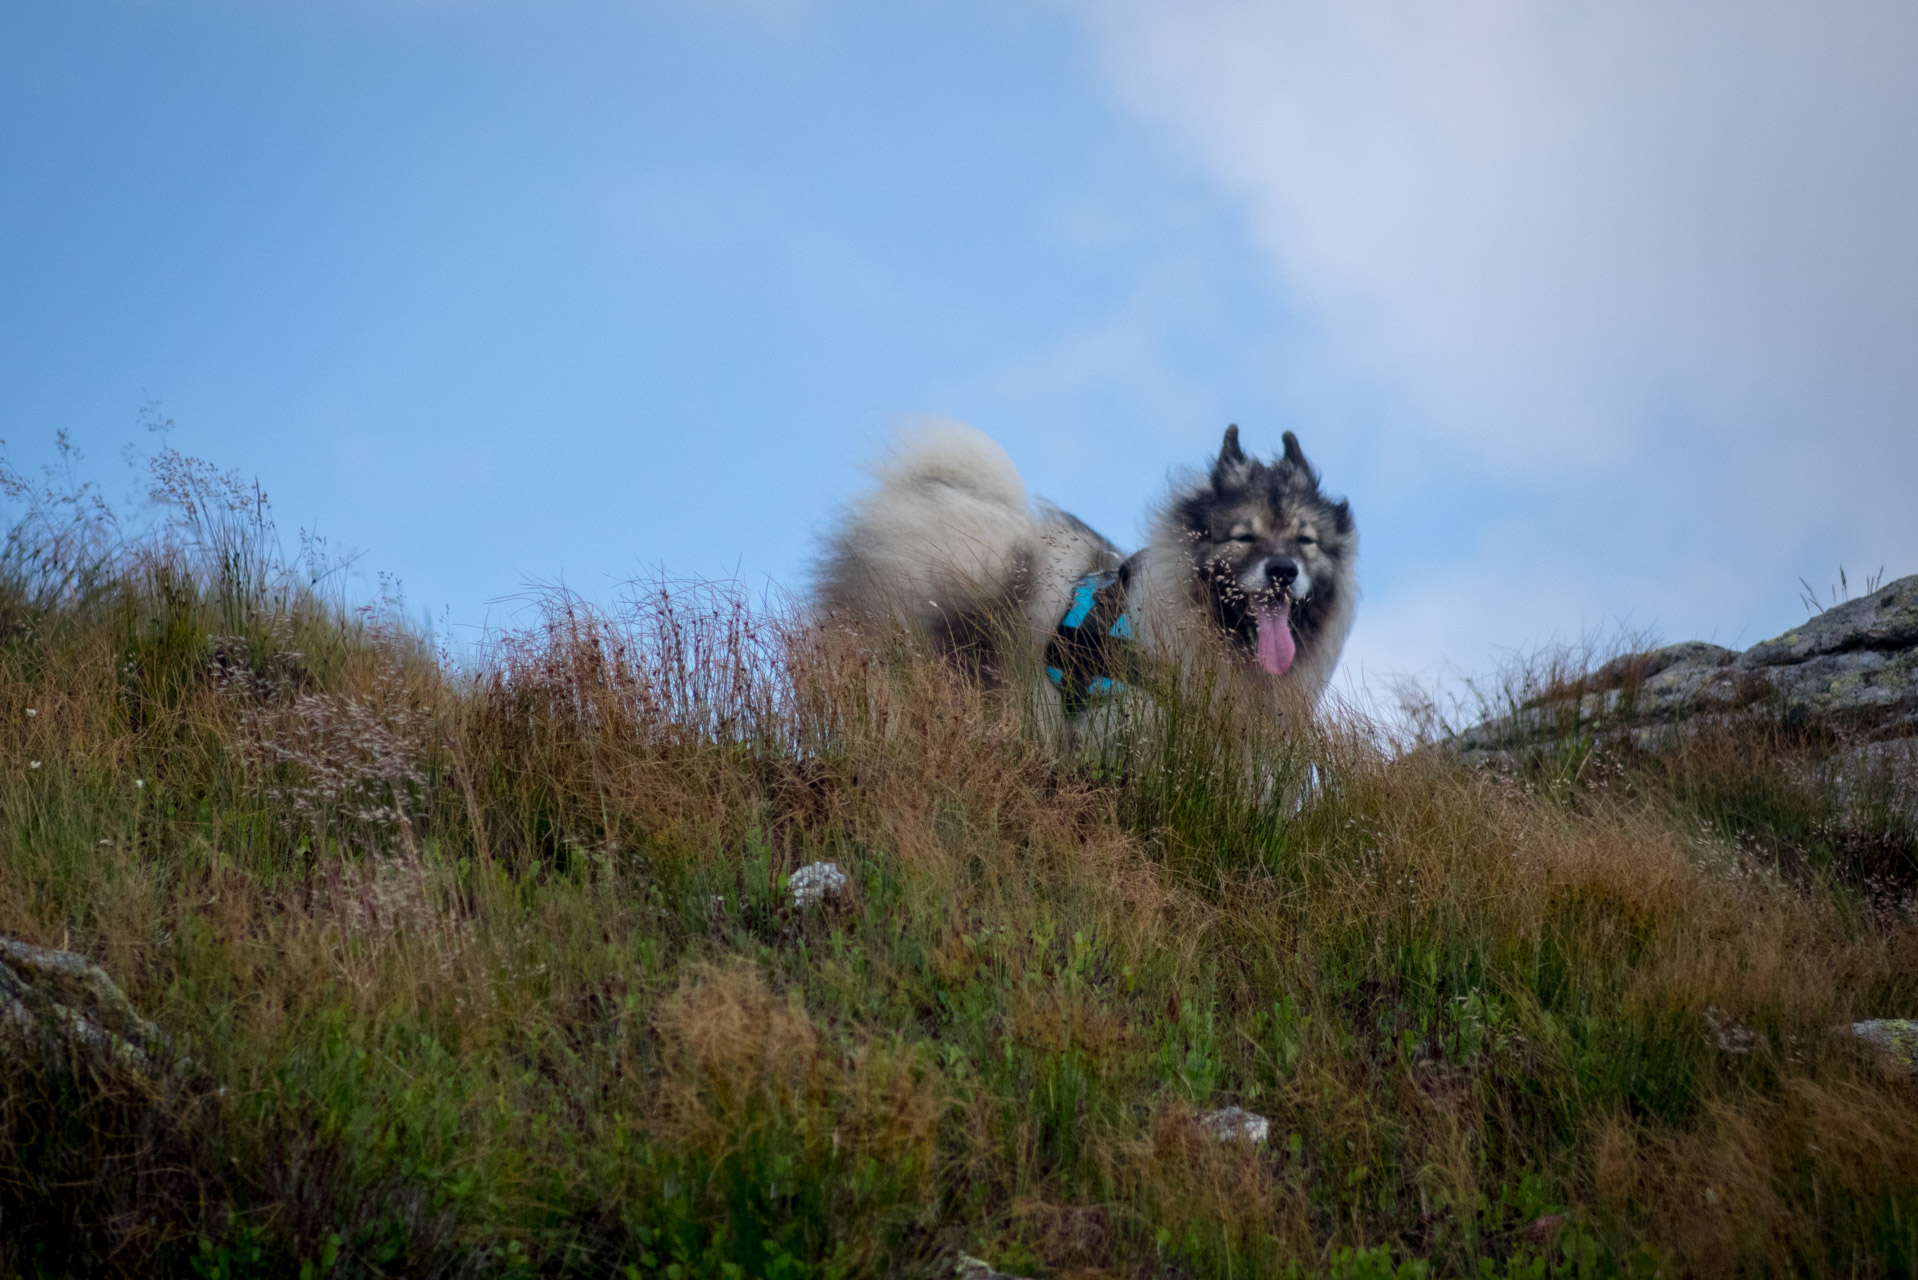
1854 666
60 1010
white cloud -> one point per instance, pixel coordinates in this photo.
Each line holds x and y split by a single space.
1654 263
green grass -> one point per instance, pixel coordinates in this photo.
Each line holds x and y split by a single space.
491 970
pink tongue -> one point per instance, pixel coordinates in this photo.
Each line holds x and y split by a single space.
1276 648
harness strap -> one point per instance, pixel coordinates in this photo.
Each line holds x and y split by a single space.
1091 655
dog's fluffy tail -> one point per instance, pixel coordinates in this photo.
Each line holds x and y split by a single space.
948 531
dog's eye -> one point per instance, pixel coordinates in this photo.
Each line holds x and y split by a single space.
1242 537
1306 540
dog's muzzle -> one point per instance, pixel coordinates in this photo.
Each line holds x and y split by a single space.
1278 576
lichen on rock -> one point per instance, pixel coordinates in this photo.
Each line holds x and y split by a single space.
61 1010
1892 1041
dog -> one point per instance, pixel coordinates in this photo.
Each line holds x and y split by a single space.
1249 573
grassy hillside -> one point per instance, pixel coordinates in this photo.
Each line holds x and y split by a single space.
493 971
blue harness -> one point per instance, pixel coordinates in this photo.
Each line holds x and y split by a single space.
1092 652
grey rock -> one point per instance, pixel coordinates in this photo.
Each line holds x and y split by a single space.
1862 685
59 1009
1731 1035
1886 621
1892 1041
1692 653
815 883
1868 778
1235 1123
971 1268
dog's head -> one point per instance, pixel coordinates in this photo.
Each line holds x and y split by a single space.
1272 553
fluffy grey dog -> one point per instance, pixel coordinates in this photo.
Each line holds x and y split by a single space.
1249 571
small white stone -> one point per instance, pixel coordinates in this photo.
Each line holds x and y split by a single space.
32 712
33 764
1228 1123
815 882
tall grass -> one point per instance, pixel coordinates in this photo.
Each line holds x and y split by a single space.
491 969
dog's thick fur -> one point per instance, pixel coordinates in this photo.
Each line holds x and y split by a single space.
950 545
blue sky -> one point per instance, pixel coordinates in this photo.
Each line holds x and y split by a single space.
1597 317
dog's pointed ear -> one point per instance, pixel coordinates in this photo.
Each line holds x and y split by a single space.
1295 458
1232 465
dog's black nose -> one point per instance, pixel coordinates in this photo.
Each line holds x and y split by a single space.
1281 572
